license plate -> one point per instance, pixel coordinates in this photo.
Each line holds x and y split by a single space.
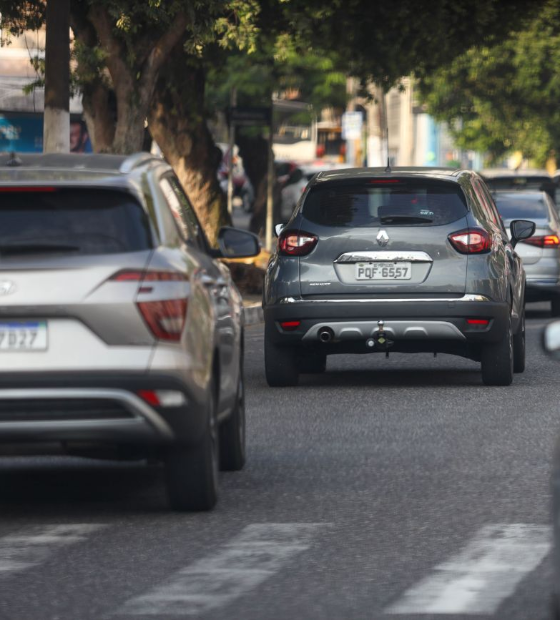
383 271
23 336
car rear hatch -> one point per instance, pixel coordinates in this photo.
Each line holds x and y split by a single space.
62 251
383 237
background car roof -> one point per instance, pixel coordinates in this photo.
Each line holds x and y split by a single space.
451 174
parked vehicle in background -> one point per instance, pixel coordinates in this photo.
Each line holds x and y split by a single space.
503 179
541 252
408 260
120 332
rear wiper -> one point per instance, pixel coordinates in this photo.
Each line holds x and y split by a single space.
405 219
36 248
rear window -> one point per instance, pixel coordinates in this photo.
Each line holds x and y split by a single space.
384 203
518 182
520 207
73 221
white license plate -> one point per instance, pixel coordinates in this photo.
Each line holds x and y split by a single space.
23 336
383 271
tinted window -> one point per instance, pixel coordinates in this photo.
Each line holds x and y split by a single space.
81 221
394 203
522 206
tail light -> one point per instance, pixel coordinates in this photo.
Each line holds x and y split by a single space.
290 326
164 317
547 241
296 242
471 241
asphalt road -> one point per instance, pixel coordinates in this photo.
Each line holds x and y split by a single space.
383 488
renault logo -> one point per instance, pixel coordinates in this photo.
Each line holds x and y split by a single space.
382 238
7 287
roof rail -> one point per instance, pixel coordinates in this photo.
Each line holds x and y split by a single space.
135 160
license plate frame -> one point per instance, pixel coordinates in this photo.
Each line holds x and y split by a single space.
23 336
383 271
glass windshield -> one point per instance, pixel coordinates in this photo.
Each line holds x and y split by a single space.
81 221
521 206
383 202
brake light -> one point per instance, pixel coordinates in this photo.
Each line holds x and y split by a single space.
547 241
27 190
384 181
480 322
164 317
471 241
296 242
290 326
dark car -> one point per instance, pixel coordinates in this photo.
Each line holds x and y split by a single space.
120 331
540 253
500 179
408 260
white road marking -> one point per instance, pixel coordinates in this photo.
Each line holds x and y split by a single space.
34 545
237 567
482 575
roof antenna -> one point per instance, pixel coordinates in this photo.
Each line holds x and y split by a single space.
388 169
14 160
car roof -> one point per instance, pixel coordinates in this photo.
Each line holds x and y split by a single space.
58 168
451 174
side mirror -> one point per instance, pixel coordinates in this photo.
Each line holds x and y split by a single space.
551 339
278 229
236 243
521 229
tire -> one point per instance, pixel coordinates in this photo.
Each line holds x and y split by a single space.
312 363
497 360
192 473
232 432
280 363
554 607
519 347
555 308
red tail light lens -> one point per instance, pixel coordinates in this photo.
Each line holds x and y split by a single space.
149 396
471 241
164 317
547 241
296 242
479 322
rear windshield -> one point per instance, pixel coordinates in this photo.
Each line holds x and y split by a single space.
522 207
73 221
384 203
518 182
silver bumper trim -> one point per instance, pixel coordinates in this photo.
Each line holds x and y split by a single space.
419 300
405 330
389 256
142 413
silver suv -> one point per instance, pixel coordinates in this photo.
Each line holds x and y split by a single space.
119 329
404 260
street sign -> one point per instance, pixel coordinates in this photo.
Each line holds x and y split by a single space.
249 116
352 125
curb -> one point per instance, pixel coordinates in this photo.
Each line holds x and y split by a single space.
253 314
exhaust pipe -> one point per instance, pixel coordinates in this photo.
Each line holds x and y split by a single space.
326 334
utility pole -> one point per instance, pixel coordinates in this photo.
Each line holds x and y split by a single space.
232 103
270 184
56 122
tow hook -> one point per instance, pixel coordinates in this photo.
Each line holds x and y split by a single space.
380 340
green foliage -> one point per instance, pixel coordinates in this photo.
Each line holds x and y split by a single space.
505 97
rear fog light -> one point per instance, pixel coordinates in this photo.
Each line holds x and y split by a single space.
478 323
290 326
163 398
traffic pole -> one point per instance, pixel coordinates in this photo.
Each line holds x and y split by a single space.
233 103
269 188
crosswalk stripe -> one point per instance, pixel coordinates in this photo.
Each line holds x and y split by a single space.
234 569
33 545
482 575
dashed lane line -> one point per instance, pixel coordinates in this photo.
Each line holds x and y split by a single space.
257 553
481 576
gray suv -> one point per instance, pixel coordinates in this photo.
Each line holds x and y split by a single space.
404 260
120 332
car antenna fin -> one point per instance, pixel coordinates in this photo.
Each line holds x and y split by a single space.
388 169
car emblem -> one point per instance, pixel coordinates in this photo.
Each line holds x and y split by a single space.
382 238
7 287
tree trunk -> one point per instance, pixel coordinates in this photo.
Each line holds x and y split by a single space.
99 116
177 124
56 133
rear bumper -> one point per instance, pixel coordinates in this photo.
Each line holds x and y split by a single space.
416 324
542 289
53 407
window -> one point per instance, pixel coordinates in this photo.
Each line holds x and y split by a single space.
522 206
81 221
185 213
403 202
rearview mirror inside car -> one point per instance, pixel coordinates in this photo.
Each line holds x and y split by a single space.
551 339
236 243
521 229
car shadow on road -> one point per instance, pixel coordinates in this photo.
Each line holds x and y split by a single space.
73 487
